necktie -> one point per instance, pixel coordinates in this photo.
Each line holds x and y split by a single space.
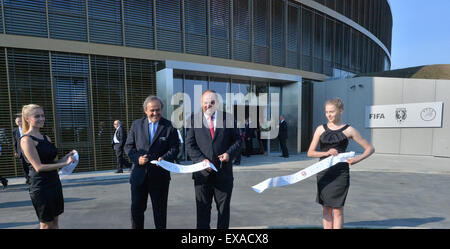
152 131
211 127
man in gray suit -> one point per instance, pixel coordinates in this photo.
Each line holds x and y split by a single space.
150 138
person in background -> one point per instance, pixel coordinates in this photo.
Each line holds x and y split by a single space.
249 134
17 134
282 136
118 142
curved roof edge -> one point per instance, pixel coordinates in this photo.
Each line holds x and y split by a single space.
346 20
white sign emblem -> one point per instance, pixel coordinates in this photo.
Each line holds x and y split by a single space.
428 114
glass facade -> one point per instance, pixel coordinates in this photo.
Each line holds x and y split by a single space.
82 94
274 32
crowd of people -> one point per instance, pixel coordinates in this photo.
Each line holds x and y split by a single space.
153 137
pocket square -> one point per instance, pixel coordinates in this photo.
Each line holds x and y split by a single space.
163 138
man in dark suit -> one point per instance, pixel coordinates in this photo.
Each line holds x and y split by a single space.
213 138
118 142
150 138
249 134
282 136
17 134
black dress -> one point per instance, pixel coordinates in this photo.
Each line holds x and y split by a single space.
45 188
333 183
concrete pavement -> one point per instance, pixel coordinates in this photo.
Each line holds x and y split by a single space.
386 191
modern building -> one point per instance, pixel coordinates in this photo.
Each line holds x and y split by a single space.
89 62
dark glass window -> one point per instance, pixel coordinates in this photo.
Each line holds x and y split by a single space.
195 27
105 22
168 25
26 17
220 28
329 47
340 6
293 36
307 39
355 10
8 166
241 30
354 51
348 8
29 79
108 104
261 31
141 82
138 22
67 19
331 4
278 33
338 45
318 43
1 18
71 83
346 48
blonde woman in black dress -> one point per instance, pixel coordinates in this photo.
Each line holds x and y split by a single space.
45 187
333 183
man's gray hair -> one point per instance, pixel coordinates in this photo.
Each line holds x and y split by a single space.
150 99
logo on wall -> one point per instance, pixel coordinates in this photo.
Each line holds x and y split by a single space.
400 115
428 114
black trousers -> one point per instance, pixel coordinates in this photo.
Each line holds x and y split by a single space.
158 192
248 146
283 146
121 161
204 194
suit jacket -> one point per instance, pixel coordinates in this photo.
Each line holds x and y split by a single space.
16 142
249 132
165 144
200 146
283 131
121 136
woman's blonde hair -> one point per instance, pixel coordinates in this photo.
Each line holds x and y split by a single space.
336 102
26 111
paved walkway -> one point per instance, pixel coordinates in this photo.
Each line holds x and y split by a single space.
387 191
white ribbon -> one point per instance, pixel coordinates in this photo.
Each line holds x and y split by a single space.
65 171
302 174
178 168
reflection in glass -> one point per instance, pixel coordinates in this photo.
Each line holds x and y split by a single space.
189 83
222 87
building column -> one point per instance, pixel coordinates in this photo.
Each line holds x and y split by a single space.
164 90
